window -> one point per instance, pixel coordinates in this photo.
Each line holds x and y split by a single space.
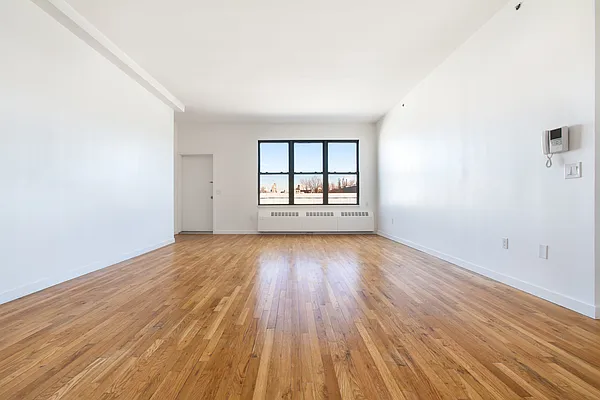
274 173
308 172
343 173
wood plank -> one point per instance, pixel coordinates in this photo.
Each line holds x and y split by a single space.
295 317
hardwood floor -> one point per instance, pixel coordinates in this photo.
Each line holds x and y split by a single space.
299 317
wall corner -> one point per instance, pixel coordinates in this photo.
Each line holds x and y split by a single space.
596 170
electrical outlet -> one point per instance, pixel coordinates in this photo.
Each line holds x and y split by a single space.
392 221
543 251
505 243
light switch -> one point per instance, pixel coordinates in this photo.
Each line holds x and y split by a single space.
573 171
543 251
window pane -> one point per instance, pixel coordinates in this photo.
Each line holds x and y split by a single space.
342 157
308 157
274 157
343 189
274 189
308 189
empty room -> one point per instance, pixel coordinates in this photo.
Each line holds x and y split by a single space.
367 200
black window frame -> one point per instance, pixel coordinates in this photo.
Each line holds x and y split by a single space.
325 172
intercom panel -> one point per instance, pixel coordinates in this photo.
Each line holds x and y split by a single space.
556 140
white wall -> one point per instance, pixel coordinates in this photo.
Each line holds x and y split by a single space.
176 176
597 170
235 151
460 165
86 157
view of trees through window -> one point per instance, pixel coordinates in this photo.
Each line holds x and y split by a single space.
319 172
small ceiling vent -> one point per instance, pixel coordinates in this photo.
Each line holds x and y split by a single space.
319 214
355 213
285 214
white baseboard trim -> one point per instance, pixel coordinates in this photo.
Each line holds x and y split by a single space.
306 233
290 233
235 232
565 301
45 283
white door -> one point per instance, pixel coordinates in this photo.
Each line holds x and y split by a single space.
197 193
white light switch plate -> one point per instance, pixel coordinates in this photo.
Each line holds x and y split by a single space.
573 171
543 251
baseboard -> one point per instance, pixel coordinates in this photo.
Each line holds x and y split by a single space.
290 233
236 232
341 233
565 301
45 283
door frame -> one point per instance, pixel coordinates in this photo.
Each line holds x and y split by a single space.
179 189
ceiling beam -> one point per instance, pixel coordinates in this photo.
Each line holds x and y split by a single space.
67 16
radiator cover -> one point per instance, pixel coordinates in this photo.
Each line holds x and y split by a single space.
315 220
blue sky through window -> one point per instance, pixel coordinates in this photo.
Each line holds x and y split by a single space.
342 157
274 157
308 157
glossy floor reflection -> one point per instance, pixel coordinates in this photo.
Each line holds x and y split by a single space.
300 317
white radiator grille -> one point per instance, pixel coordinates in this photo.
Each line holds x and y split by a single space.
319 214
285 214
355 213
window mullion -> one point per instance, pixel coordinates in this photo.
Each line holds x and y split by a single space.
291 172
325 173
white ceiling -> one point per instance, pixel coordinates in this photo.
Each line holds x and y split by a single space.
278 59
